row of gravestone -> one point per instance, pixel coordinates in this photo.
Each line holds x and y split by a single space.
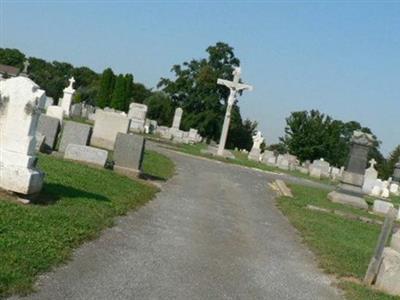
110 131
24 129
177 135
139 123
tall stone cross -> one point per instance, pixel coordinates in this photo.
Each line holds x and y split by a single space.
235 87
71 82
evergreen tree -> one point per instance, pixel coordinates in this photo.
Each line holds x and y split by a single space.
106 88
118 99
128 91
391 161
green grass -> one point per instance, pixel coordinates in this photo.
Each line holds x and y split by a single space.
157 165
78 202
343 247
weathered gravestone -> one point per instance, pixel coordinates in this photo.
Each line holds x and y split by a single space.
74 133
76 110
381 207
48 127
66 100
269 158
86 154
396 172
137 113
55 112
19 114
193 136
129 153
350 188
176 123
322 165
106 127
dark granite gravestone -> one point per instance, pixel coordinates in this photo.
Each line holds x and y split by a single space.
350 188
76 110
353 176
396 172
48 127
129 153
74 133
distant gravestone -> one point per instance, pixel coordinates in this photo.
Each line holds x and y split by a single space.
322 165
74 133
129 153
106 127
66 100
269 158
137 113
48 127
86 154
381 207
76 110
55 112
19 113
176 123
370 177
255 152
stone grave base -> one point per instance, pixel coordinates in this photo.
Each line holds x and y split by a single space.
387 279
22 180
213 151
347 199
254 154
127 171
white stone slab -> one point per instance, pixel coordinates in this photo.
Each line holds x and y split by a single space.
381 207
86 154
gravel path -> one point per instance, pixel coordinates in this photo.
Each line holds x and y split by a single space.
212 233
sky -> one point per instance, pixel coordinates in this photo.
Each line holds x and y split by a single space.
340 57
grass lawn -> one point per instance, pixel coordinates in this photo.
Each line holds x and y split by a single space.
79 201
157 165
343 247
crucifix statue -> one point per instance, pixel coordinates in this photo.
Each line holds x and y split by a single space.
235 87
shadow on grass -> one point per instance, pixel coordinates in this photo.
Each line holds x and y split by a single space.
53 192
150 177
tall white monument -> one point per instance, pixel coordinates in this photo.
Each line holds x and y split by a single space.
20 98
66 100
235 87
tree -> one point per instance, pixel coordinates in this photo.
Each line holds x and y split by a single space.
12 57
392 160
140 93
195 89
106 88
160 108
128 91
313 135
118 99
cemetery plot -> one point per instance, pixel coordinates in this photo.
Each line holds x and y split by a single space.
75 204
344 246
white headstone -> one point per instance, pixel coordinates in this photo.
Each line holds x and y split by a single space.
370 177
66 100
55 112
381 207
176 123
137 113
19 113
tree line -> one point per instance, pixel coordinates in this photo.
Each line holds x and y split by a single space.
194 88
313 135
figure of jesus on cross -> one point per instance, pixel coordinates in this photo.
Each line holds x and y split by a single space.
235 87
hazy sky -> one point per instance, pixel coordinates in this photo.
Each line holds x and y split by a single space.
342 58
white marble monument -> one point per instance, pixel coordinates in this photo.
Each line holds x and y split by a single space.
176 123
66 100
235 87
19 113
255 153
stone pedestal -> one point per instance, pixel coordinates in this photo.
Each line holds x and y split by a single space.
255 154
19 115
